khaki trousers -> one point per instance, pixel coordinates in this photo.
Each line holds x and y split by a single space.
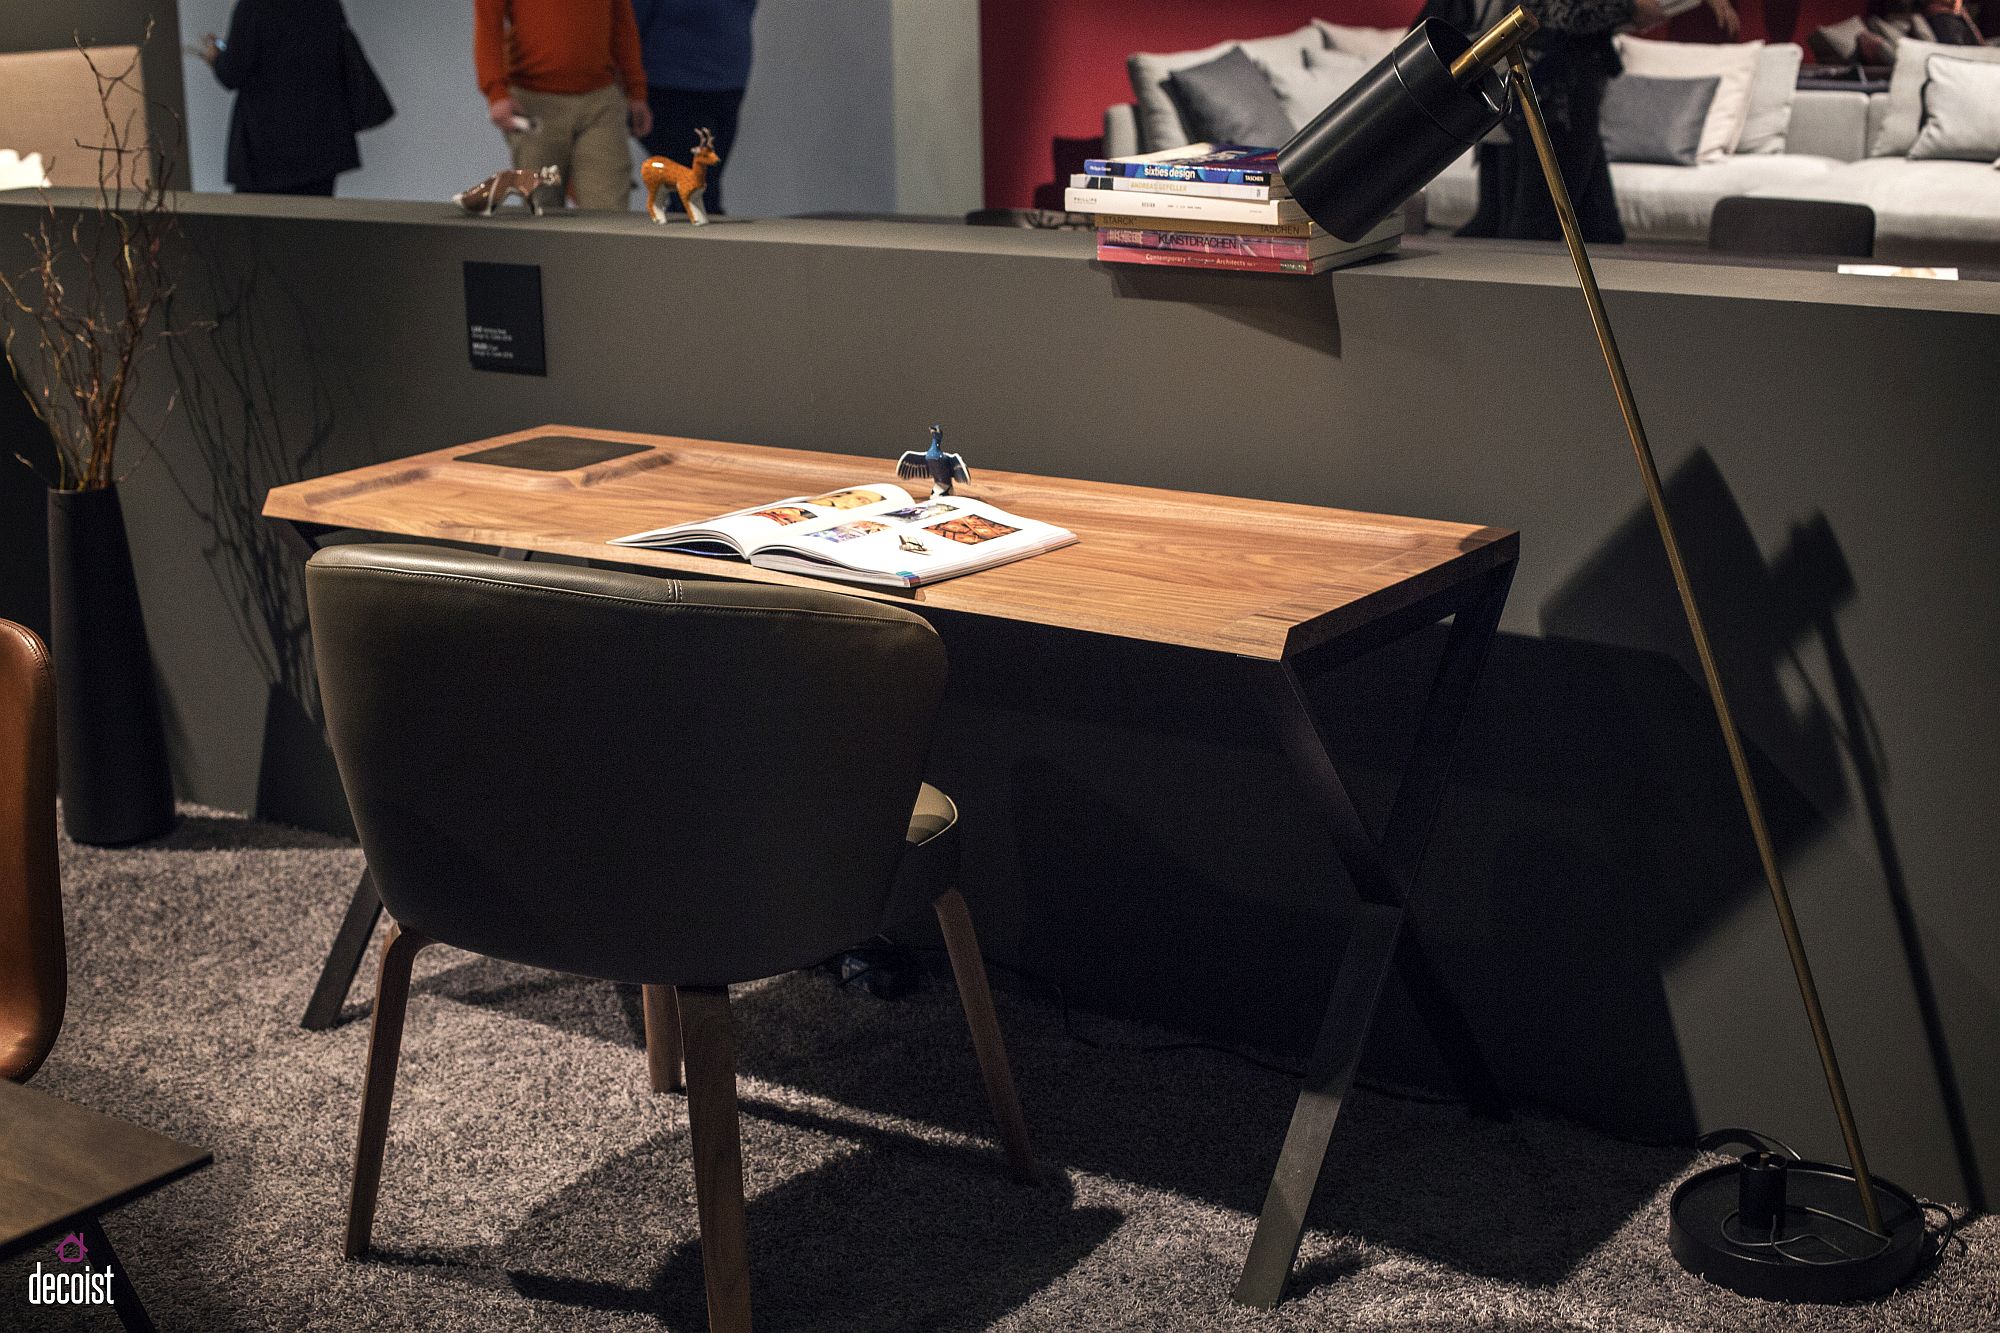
583 135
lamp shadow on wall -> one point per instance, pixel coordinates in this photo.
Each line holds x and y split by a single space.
259 411
1814 748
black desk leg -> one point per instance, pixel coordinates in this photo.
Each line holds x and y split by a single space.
124 1296
1364 967
343 959
1381 872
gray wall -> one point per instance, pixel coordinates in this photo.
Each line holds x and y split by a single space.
1591 892
862 106
41 25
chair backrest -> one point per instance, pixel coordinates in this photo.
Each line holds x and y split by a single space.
34 978
1746 225
637 778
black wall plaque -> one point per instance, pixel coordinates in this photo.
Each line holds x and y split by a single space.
503 317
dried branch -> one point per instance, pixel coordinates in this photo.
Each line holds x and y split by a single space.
94 300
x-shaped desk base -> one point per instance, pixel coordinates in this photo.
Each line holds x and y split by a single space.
1382 870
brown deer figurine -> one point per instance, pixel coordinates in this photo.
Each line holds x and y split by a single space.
496 189
658 172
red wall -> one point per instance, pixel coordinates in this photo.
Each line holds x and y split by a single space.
1050 67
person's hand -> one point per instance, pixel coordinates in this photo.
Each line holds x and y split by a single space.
1647 14
504 112
210 48
1725 17
641 116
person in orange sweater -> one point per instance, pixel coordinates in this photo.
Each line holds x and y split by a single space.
564 82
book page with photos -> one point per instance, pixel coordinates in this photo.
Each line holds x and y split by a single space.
875 533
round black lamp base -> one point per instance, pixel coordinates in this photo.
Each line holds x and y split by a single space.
1820 1248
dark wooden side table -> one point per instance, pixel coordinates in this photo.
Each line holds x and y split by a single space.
1290 591
62 1168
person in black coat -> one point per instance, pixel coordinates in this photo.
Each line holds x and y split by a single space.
290 131
1571 59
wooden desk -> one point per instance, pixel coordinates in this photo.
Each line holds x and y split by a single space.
1289 590
62 1167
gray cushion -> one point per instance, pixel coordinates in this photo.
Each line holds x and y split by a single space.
1961 111
1655 120
1229 100
1835 43
1160 120
1310 89
1905 113
1772 91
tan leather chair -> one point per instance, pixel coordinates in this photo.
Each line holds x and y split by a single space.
33 975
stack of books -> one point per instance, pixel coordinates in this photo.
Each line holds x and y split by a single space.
1216 206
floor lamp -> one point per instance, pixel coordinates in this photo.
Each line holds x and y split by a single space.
1767 1225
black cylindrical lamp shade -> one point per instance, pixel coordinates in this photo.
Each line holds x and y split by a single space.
1391 133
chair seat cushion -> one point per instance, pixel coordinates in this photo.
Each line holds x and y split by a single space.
930 857
1665 203
1925 212
934 815
1657 203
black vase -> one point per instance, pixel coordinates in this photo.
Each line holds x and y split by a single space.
112 752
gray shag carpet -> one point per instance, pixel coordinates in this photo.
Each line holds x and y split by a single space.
533 1183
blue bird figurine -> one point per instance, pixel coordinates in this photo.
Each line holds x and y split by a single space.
942 468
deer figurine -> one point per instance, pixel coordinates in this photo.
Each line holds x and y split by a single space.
656 173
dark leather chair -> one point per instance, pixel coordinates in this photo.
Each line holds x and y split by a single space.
34 978
1747 225
676 784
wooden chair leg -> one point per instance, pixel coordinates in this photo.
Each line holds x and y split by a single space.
710 1049
977 998
385 1042
663 1038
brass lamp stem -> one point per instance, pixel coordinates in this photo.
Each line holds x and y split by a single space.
1649 472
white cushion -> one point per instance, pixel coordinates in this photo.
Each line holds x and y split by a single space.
1160 120
1371 44
1310 89
21 173
1452 198
1733 64
1961 111
1772 91
1925 212
1905 112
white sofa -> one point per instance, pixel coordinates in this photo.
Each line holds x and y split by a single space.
1925 211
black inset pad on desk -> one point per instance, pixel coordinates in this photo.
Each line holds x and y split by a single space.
552 453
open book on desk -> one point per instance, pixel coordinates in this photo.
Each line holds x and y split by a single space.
865 534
